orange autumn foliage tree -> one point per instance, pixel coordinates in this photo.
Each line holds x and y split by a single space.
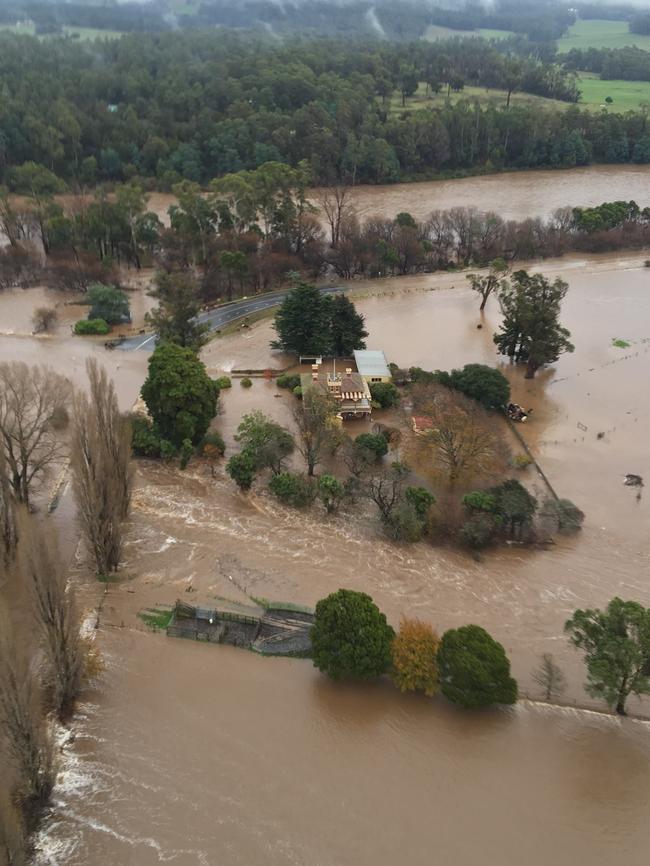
414 652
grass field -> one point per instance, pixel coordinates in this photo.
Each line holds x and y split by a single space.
626 96
434 33
601 34
84 33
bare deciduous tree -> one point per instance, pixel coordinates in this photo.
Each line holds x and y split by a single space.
336 205
13 838
550 677
8 533
32 412
43 319
461 442
386 489
24 732
55 613
101 451
316 425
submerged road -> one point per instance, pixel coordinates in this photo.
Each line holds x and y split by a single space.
223 315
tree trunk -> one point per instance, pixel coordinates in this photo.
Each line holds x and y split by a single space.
531 369
484 302
620 706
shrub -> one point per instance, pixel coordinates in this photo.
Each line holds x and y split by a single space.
413 652
403 523
350 637
187 449
224 382
375 444
289 381
144 440
514 504
108 303
214 441
241 468
474 669
297 392
385 394
86 327
43 319
246 382
521 461
420 499
563 515
330 492
421 377
293 489
479 531
479 500
487 386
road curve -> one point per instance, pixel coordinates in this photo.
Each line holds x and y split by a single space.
222 315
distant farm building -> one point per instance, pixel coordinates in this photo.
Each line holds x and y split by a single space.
372 365
421 424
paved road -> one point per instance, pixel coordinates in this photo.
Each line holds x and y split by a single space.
221 316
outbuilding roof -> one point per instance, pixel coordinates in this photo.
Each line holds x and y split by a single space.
371 362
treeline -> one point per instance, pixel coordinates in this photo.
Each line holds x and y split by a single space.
195 105
252 229
401 20
50 18
629 64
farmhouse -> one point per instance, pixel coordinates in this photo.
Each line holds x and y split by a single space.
349 389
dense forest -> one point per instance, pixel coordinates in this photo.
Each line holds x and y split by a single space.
358 18
198 105
629 64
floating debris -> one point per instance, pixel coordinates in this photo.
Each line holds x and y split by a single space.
632 480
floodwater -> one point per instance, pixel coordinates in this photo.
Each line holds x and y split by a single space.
187 754
513 195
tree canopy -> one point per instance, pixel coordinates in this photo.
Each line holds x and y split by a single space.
350 637
474 668
531 332
180 396
616 646
108 303
414 663
175 317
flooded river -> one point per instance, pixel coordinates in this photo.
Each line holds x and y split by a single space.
513 195
188 754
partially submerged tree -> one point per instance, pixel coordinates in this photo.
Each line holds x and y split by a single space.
461 444
44 319
55 613
346 327
8 530
487 386
100 456
180 396
303 322
315 422
33 410
268 443
175 318
616 644
549 677
486 284
350 637
108 303
474 668
531 332
241 468
414 651
23 730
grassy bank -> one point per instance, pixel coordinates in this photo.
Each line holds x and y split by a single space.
626 96
599 33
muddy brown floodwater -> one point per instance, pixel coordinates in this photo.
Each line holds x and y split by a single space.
188 754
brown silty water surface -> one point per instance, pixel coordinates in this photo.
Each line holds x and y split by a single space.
189 754
513 195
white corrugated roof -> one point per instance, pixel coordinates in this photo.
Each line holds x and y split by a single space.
371 362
